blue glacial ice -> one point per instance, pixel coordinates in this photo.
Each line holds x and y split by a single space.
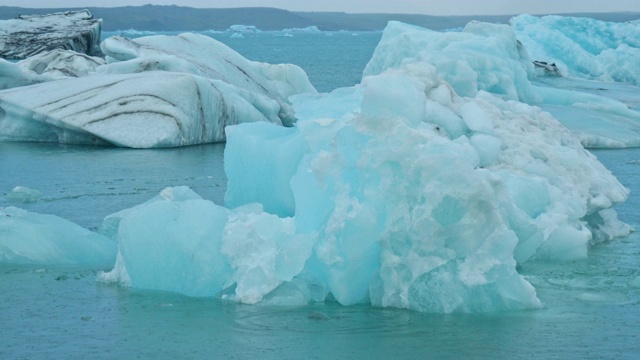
39 239
583 47
157 91
491 58
396 192
603 113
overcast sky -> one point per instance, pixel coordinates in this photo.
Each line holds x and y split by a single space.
433 7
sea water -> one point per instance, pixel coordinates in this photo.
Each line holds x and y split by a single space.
591 307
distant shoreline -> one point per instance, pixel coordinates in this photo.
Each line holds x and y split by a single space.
180 18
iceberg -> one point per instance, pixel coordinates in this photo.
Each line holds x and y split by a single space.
29 35
244 29
397 192
307 30
583 47
491 58
158 91
39 239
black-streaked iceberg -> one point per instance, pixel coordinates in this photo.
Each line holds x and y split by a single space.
159 91
29 35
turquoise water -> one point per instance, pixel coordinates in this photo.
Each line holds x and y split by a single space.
591 307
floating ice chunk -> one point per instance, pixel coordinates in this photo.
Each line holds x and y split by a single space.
410 216
197 248
23 194
307 30
28 35
404 195
173 246
30 238
157 91
247 29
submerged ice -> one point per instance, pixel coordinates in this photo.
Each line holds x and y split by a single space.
396 192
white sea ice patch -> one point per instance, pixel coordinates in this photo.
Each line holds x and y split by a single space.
39 239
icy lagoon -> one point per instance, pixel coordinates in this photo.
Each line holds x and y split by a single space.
590 306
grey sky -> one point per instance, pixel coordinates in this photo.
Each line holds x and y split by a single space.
433 7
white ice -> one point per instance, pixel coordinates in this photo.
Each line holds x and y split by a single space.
39 239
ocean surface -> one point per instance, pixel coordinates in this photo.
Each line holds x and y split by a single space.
591 307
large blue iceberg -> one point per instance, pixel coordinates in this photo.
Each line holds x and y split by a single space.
396 192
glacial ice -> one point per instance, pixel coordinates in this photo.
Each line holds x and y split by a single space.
487 57
157 91
602 113
396 192
39 239
29 35
583 47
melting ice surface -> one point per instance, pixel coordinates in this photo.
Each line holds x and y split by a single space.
396 192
